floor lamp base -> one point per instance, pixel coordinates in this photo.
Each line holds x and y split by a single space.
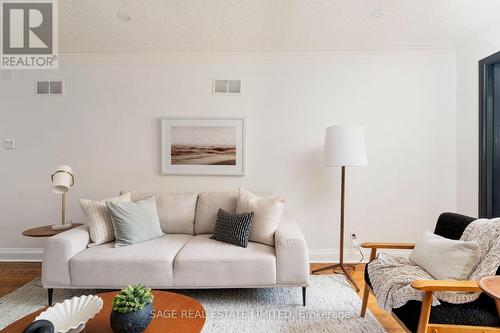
341 269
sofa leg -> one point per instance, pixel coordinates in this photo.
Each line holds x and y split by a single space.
50 292
304 290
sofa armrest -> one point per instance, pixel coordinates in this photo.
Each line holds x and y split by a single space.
57 253
292 258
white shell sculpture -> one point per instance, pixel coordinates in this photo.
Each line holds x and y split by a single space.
71 315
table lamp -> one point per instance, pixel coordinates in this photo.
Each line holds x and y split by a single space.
344 146
62 180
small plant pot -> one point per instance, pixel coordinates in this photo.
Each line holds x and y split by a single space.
132 322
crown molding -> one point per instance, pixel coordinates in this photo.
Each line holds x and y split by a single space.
256 57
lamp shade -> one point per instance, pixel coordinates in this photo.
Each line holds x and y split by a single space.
62 179
345 146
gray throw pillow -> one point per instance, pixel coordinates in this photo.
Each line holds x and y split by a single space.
446 259
233 228
134 222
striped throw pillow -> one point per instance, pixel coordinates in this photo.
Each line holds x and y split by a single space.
99 222
233 228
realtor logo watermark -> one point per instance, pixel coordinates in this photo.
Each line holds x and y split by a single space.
29 34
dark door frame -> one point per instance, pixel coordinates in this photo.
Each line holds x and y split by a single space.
485 147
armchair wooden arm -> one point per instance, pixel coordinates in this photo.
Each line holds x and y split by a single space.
430 286
446 285
377 245
389 246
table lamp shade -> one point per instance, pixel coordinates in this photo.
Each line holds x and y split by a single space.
345 146
62 179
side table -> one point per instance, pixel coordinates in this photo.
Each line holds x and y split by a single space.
491 286
46 231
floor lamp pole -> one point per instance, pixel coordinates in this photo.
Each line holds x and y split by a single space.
342 198
341 268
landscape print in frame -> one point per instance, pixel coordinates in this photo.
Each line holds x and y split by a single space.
212 146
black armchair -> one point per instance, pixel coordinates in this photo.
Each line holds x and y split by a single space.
480 316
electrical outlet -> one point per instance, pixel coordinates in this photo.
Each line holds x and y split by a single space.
9 143
354 241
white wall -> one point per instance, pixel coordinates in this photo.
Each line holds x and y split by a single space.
107 128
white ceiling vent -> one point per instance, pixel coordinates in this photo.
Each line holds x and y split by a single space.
227 87
49 87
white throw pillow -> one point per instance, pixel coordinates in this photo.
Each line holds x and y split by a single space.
99 222
267 215
446 259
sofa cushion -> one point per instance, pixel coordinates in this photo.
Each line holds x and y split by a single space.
233 228
100 225
134 222
149 263
206 263
176 210
208 205
267 215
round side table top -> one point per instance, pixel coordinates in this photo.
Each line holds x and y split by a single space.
172 313
46 231
491 286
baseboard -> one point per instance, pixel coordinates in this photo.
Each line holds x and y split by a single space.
21 254
350 255
315 255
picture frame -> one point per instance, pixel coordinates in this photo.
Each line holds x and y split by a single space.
203 146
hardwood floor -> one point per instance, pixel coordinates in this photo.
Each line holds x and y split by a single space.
14 275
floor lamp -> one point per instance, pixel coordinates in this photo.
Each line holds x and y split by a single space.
344 146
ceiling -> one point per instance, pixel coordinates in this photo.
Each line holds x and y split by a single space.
222 25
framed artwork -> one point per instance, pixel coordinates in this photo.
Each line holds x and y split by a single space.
202 146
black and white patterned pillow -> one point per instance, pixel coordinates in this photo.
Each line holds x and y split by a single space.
233 228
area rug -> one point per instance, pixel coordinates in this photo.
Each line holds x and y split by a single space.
332 306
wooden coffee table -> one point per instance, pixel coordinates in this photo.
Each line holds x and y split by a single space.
173 313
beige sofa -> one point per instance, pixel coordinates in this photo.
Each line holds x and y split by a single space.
185 257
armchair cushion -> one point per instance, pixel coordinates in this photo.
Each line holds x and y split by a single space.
452 225
446 258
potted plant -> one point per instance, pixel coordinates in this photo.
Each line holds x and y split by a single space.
132 309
